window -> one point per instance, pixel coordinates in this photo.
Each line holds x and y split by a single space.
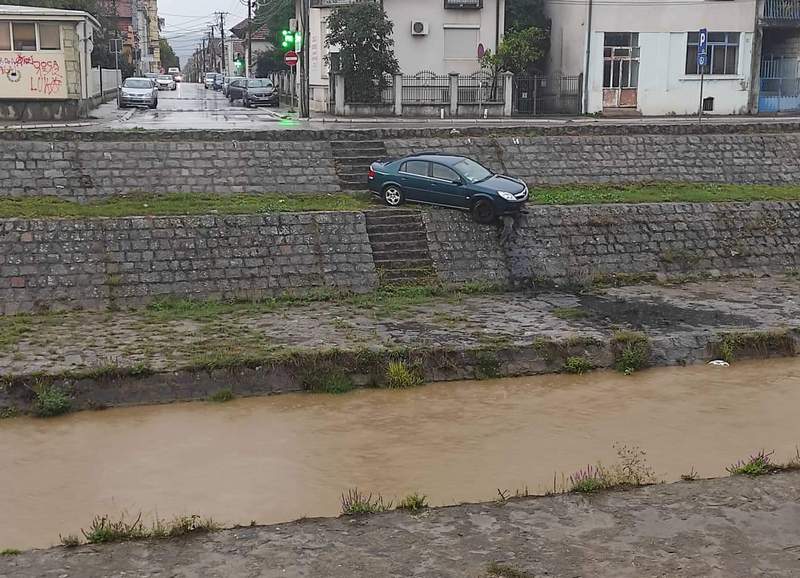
722 51
461 43
416 168
5 36
444 173
24 35
49 37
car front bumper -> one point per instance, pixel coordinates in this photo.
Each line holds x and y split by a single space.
264 100
136 101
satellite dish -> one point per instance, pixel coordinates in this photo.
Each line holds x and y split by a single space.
481 50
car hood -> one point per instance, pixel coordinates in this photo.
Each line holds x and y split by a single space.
501 183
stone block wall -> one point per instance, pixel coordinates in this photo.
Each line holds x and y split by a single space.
463 251
555 160
96 263
85 170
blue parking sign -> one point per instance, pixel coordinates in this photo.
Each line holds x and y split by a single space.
702 45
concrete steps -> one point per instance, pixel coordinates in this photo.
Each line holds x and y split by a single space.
352 160
399 247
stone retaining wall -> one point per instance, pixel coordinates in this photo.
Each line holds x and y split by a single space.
96 263
91 165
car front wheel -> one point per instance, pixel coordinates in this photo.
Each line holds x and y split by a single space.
393 196
483 212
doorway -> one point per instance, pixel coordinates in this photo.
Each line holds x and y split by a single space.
620 70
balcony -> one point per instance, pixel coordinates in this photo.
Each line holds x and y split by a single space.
463 4
781 13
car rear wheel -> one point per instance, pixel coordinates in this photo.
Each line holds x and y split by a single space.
483 212
393 196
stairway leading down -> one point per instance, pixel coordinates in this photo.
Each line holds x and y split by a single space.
399 246
352 160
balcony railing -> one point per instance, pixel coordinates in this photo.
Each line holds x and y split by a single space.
335 3
782 11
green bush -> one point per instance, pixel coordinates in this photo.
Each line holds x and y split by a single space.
10 552
51 401
413 502
355 503
328 381
756 465
577 365
631 351
222 395
400 376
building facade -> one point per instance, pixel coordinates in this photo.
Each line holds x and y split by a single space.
46 63
438 36
777 89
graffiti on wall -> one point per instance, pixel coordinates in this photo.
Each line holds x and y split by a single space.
34 75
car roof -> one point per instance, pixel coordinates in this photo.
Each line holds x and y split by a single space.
444 158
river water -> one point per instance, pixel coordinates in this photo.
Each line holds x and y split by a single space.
279 458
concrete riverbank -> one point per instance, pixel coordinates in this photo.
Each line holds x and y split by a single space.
190 350
733 527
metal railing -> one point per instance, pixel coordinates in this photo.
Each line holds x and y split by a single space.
426 88
480 88
368 92
554 94
785 10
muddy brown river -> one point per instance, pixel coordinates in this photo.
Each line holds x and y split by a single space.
276 459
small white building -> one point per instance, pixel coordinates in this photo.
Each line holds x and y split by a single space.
642 54
438 36
46 65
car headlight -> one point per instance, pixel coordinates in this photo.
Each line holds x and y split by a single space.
507 196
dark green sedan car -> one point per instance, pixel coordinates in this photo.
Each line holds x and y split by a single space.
447 181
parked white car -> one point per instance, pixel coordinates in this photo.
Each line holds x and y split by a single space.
166 82
138 92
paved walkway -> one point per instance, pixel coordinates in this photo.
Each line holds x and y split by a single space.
679 319
728 528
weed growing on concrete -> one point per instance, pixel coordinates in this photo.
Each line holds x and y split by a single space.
70 540
570 313
400 376
51 401
355 503
181 526
497 570
591 479
413 502
487 365
103 530
690 476
754 344
756 465
10 552
632 351
332 381
13 329
577 365
222 395
8 412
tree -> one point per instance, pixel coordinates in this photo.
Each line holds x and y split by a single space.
267 62
520 52
168 57
363 33
522 14
275 15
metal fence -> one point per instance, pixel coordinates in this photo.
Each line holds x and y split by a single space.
480 88
780 84
426 88
782 10
553 94
366 91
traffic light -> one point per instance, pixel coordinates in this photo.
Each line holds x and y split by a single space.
288 40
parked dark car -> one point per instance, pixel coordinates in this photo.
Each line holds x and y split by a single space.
253 92
447 181
219 79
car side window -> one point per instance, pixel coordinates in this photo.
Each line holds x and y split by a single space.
445 173
416 168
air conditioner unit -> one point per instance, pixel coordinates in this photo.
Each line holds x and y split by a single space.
419 28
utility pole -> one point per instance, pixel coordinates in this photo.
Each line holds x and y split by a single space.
247 63
305 17
213 50
222 37
203 57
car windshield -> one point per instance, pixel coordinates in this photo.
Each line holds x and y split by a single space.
472 171
137 83
164 77
259 83
210 75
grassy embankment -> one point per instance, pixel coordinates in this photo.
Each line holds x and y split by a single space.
203 204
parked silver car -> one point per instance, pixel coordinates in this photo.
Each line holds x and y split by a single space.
138 92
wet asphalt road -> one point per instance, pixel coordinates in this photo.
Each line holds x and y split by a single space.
190 106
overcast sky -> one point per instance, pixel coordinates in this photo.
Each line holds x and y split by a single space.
187 21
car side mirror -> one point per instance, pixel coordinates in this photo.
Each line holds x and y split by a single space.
458 182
